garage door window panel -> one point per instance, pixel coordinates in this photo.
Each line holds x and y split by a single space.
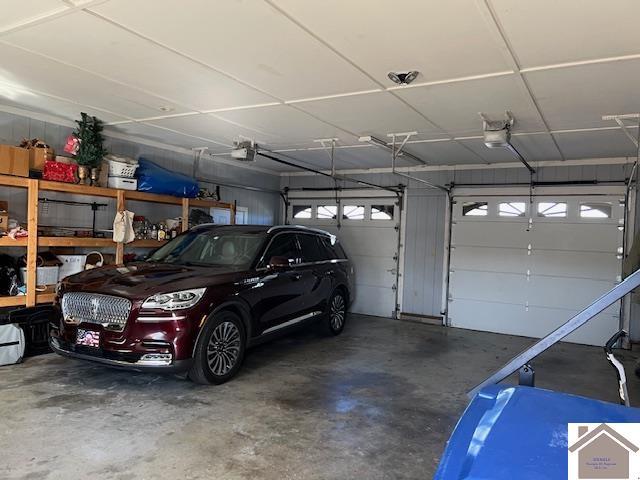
382 212
353 212
595 210
512 209
552 209
475 209
327 212
302 212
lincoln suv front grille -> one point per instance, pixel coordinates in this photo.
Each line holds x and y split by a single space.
111 312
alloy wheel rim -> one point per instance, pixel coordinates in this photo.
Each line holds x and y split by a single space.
223 349
337 312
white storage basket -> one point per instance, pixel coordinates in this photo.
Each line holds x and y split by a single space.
44 275
71 264
123 183
119 168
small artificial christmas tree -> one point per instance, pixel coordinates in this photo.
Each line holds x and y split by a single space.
89 134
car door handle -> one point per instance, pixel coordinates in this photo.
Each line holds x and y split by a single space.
330 273
296 276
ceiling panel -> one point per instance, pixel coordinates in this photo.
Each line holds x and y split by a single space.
212 127
98 46
536 148
369 114
269 51
595 144
19 11
455 106
440 39
532 147
162 135
27 71
34 102
544 32
577 97
443 153
287 123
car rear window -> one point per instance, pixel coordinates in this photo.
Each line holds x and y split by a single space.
312 248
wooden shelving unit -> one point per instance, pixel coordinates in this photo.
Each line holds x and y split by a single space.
33 241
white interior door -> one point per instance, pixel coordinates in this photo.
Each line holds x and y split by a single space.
524 269
368 229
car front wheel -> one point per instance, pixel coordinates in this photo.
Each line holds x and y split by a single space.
337 313
220 350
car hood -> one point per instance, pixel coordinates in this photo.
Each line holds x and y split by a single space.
142 279
520 432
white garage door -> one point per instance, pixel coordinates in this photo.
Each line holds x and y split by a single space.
524 269
367 230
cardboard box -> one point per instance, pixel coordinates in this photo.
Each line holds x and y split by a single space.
4 216
38 156
14 161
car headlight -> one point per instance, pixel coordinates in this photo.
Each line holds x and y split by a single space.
175 300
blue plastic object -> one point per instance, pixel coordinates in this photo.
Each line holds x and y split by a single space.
153 178
520 433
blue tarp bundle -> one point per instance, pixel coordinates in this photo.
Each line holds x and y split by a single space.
153 178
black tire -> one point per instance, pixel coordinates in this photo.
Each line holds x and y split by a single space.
220 350
336 316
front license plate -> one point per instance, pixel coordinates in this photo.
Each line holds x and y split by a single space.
89 338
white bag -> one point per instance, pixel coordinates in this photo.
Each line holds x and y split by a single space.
123 227
11 344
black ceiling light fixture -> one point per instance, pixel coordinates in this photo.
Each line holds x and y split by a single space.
403 78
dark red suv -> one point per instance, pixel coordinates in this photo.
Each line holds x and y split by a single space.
199 301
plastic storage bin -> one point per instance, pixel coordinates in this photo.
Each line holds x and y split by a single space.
44 275
119 168
71 264
123 183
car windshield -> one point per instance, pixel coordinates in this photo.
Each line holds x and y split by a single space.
211 247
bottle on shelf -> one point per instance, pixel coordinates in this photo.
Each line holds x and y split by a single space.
154 232
162 233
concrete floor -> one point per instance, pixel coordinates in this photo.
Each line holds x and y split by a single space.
377 402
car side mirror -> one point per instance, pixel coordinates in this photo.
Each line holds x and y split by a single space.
278 262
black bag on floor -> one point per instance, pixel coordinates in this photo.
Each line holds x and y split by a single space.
34 321
8 276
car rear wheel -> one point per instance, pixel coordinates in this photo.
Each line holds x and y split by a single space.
337 313
220 350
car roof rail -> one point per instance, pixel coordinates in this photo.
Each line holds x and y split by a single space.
298 227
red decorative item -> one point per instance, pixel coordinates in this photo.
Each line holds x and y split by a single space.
60 172
72 145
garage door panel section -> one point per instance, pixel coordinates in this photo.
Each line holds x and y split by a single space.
373 271
482 286
524 266
552 292
372 300
480 234
590 265
507 260
581 237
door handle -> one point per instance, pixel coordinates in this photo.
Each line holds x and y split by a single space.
330 273
296 276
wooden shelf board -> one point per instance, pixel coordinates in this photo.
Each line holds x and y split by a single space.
203 202
77 189
75 242
151 197
11 181
17 301
7 242
45 297
149 243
